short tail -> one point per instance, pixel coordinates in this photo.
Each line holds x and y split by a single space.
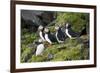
83 32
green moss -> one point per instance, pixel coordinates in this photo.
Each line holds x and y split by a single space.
37 59
25 55
76 19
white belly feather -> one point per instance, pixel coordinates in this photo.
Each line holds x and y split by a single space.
58 38
68 34
39 49
47 39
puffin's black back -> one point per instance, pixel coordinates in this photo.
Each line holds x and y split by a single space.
76 34
73 33
52 37
61 35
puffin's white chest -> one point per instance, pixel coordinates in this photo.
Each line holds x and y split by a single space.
68 34
58 38
40 33
39 49
47 39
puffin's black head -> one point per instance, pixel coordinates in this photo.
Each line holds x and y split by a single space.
46 30
68 25
40 28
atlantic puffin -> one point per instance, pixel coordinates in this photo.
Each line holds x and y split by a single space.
41 33
40 47
60 34
49 37
69 32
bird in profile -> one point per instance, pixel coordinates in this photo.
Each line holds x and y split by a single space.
49 37
60 34
39 47
69 32
41 32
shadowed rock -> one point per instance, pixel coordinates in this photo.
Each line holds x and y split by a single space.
36 18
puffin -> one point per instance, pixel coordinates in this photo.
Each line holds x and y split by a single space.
41 33
69 32
60 34
49 37
40 47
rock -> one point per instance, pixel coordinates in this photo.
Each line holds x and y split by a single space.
50 56
31 19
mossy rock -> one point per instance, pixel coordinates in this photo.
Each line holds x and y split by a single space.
37 59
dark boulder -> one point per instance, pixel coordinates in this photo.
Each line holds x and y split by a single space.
31 19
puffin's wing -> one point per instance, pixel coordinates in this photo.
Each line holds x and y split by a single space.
64 32
73 33
52 37
61 35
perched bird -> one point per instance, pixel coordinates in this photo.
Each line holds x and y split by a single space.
69 32
49 37
60 34
41 33
40 47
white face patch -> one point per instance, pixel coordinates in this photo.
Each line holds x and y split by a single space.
67 25
56 27
46 30
40 28
40 40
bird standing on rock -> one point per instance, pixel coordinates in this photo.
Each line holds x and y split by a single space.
40 47
69 32
49 37
41 33
60 35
